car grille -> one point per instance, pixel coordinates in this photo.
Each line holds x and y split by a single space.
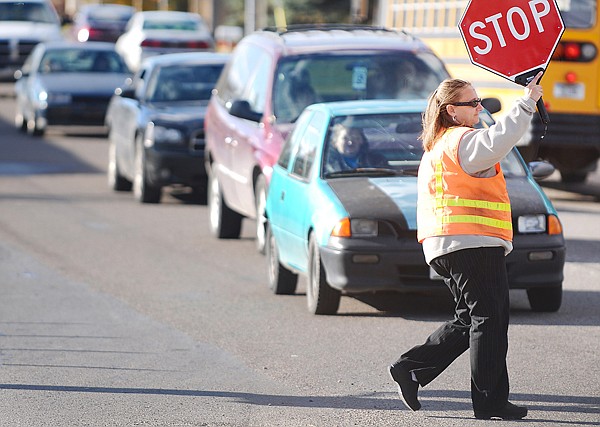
197 140
91 100
83 110
14 52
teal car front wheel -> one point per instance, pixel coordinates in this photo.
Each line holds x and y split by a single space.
321 298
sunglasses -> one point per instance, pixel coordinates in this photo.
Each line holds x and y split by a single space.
474 103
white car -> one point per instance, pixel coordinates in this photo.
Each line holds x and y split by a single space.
158 32
24 24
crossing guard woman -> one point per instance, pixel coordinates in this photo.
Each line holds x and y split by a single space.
464 223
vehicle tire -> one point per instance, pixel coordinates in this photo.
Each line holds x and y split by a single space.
529 152
116 181
33 129
224 223
545 299
573 177
20 120
281 280
143 191
321 298
260 198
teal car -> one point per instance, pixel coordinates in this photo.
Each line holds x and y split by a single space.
348 222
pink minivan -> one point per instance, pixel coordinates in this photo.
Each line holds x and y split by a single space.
271 77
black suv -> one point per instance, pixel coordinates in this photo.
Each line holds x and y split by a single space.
271 77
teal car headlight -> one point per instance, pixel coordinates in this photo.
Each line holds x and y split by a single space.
364 227
356 227
528 224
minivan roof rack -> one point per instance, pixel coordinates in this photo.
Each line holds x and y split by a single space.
325 27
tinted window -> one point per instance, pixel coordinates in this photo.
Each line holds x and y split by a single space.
242 69
32 12
257 85
81 61
183 83
188 25
110 14
578 13
304 80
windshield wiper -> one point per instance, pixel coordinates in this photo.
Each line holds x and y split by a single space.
364 171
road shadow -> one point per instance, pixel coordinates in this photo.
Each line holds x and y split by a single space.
586 251
576 310
187 195
23 154
447 401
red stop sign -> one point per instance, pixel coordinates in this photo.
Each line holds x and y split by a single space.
511 37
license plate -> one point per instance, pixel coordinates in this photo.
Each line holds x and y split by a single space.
433 275
569 90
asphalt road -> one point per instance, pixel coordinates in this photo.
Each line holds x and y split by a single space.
114 313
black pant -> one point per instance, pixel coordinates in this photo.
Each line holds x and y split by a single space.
478 281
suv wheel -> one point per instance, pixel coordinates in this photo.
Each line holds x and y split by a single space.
261 219
116 181
20 120
321 298
33 128
281 280
143 191
224 222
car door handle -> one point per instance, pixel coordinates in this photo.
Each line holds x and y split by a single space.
282 195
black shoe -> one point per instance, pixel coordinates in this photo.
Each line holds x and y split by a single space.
509 412
407 387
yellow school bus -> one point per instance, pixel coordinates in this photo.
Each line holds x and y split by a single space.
571 83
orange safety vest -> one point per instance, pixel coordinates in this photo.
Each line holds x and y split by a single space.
453 202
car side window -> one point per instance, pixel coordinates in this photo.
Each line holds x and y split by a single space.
235 81
256 86
307 148
292 142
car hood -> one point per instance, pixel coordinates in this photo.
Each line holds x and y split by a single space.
526 198
30 30
395 199
389 199
67 82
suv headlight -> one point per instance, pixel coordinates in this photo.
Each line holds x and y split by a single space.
161 135
55 98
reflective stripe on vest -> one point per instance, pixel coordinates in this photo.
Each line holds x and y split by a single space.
447 213
440 202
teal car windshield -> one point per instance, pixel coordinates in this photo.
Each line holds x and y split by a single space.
383 145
